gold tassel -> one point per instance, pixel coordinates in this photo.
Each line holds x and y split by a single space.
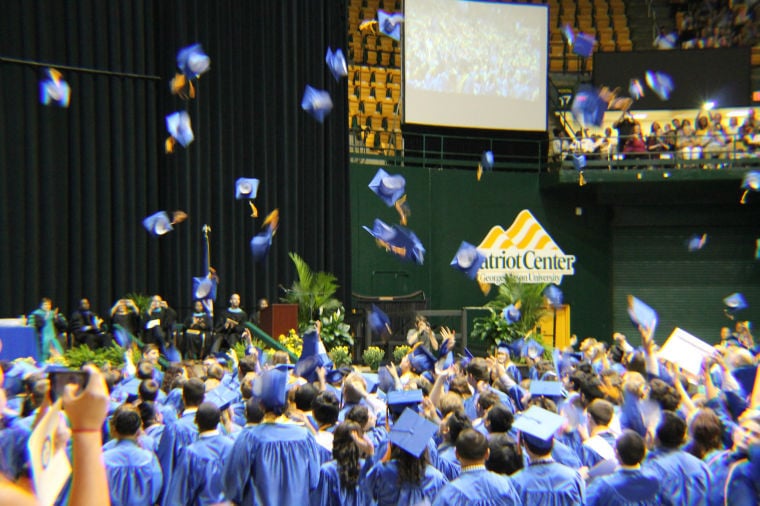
402 210
743 200
581 179
169 145
254 211
479 173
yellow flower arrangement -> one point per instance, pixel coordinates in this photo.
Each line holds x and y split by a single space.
292 342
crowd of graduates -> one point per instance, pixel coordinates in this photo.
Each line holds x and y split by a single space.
597 424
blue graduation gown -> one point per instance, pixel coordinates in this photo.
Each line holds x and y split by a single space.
197 477
272 464
625 487
720 463
743 487
684 478
13 453
134 475
330 492
591 456
448 463
478 487
549 483
381 483
560 453
176 436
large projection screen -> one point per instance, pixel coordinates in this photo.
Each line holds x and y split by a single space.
475 64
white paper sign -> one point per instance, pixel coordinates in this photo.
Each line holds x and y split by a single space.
686 351
50 466
152 323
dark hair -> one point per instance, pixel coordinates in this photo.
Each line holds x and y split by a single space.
456 423
254 412
630 448
506 457
126 420
500 419
304 396
637 363
487 400
193 392
460 386
616 353
706 431
358 414
147 410
247 364
246 388
478 367
207 417
411 469
665 395
325 408
145 370
346 453
215 371
472 445
671 430
112 377
172 374
148 390
545 403
590 389
601 411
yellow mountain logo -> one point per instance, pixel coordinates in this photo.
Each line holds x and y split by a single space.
523 251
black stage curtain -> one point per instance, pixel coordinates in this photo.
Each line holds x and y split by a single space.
76 183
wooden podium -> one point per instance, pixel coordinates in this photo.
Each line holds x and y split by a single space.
278 319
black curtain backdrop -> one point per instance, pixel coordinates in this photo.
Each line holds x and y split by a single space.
76 183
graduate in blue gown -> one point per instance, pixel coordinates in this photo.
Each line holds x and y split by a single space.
451 427
476 485
629 484
601 442
277 461
338 483
685 479
182 432
197 477
743 482
134 475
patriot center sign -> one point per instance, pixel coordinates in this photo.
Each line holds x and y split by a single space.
525 252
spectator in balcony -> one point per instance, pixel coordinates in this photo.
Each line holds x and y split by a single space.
751 139
665 39
635 147
716 143
624 126
656 140
687 143
669 135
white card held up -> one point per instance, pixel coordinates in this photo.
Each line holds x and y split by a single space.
686 351
50 464
153 323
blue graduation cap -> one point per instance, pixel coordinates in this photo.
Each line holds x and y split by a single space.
333 376
660 83
388 187
511 314
745 376
390 23
750 182
398 240
554 295
53 89
735 303
312 344
313 355
537 426
468 259
486 163
584 45
696 242
192 61
379 322
336 62
372 380
421 360
221 397
468 356
502 347
588 107
546 388
400 400
172 354
246 188
412 433
270 387
180 129
385 381
158 224
531 348
317 103
260 244
204 288
641 314
635 89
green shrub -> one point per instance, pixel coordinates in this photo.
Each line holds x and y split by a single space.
372 357
399 352
113 355
341 356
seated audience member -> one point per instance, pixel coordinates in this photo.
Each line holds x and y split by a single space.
134 475
198 327
86 326
476 485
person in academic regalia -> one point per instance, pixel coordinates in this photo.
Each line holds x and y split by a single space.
476 485
630 484
134 475
685 479
450 428
49 324
196 480
229 325
158 323
275 462
86 326
126 314
742 485
601 442
198 327
338 483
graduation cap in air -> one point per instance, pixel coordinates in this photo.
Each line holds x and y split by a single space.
660 83
53 89
635 89
385 380
588 107
412 432
388 187
270 387
336 62
486 163
552 389
180 130
641 314
398 240
554 295
734 303
261 242
246 188
468 259
400 400
317 103
750 183
537 427
390 23
192 61
579 163
421 360
379 322
584 45
511 313
204 288
531 348
313 356
696 242
372 381
158 224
